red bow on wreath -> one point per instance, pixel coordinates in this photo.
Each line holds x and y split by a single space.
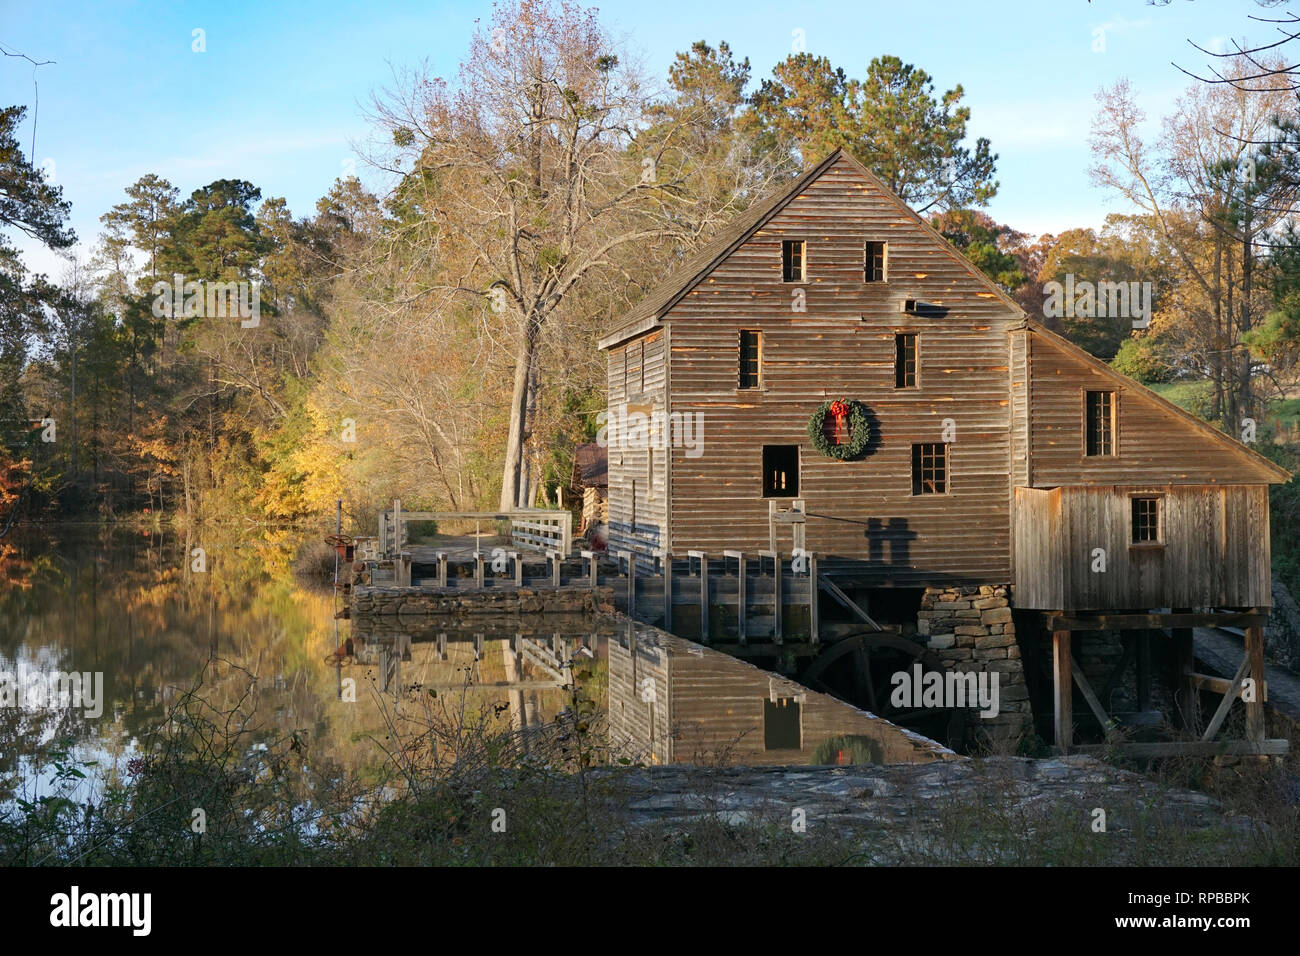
840 411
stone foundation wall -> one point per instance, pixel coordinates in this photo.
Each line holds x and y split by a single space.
375 602
970 629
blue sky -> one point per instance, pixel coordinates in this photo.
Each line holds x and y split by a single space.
278 97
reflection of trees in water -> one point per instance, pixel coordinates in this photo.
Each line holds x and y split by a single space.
124 602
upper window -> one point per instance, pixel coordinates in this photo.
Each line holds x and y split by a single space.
874 262
751 358
792 260
1099 423
1146 520
930 468
780 471
905 360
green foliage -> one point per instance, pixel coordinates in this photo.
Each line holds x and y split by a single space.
890 120
1143 358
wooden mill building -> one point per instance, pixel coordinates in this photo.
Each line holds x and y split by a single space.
998 453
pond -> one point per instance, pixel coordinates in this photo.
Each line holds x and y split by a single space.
261 650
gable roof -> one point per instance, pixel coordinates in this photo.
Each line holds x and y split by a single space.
1276 473
647 313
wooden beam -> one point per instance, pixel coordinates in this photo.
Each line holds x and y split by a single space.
740 589
1062 682
1221 713
831 588
1182 663
1134 622
668 589
704 593
1255 708
1189 748
1107 725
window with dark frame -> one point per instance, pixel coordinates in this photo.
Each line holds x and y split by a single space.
1146 520
1099 423
792 260
874 262
930 468
751 355
780 471
905 360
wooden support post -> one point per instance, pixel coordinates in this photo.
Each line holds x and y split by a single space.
442 569
667 568
442 645
402 569
1255 708
704 593
813 595
1062 684
1186 699
383 535
554 558
478 569
518 568
740 589
478 647
777 602
1143 639
590 557
398 540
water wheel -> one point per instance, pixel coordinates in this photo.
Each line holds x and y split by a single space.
859 670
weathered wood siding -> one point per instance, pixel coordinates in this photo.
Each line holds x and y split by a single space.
708 707
1215 550
1019 407
639 700
1154 444
843 346
638 469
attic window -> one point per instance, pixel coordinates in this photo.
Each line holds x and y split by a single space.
1099 424
874 262
792 260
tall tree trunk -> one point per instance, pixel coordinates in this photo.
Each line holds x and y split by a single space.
525 356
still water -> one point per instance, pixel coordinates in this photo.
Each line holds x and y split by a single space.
124 607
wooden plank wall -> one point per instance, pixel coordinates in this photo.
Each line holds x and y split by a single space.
639 728
843 346
1019 345
645 365
1214 553
1154 444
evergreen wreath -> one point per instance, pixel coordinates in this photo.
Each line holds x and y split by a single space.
852 431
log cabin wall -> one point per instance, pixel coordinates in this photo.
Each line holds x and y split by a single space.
843 346
638 478
1213 548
